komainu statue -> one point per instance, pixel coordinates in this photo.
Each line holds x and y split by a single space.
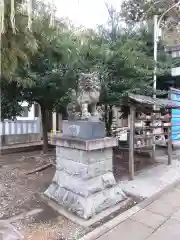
86 98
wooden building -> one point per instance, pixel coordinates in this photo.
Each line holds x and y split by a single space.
140 138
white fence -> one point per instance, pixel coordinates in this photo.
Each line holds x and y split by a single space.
20 127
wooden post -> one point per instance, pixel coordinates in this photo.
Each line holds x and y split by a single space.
170 134
131 143
60 122
170 142
54 122
153 139
40 118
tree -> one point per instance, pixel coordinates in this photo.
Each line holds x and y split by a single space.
128 62
123 58
136 11
51 67
16 47
37 63
10 101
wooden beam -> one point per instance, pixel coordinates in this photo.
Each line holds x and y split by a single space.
131 143
169 146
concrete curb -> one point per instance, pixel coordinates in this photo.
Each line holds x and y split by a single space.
24 148
78 220
98 232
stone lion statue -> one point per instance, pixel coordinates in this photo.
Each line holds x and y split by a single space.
86 97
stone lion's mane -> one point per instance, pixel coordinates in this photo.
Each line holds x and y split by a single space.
86 97
88 82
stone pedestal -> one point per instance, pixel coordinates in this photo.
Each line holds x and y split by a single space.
84 182
84 129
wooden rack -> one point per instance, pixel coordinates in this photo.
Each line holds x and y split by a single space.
143 104
147 135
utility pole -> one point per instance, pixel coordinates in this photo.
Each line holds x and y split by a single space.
155 76
156 35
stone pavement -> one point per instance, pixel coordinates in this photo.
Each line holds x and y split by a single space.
9 232
160 220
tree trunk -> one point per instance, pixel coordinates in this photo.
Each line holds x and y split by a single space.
44 129
108 119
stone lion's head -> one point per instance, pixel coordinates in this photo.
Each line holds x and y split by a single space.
89 82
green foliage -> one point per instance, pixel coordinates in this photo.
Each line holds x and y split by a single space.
44 64
16 48
137 11
10 101
129 63
51 67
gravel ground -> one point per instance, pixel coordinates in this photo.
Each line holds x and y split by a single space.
22 206
19 195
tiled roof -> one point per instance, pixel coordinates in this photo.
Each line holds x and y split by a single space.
162 103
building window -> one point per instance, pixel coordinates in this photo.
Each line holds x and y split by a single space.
173 54
25 112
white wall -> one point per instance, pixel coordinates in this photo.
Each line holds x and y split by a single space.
31 113
175 71
9 127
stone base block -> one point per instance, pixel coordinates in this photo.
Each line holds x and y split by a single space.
83 187
84 171
81 156
84 182
84 129
85 207
95 220
85 145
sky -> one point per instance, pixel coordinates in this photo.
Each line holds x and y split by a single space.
85 12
